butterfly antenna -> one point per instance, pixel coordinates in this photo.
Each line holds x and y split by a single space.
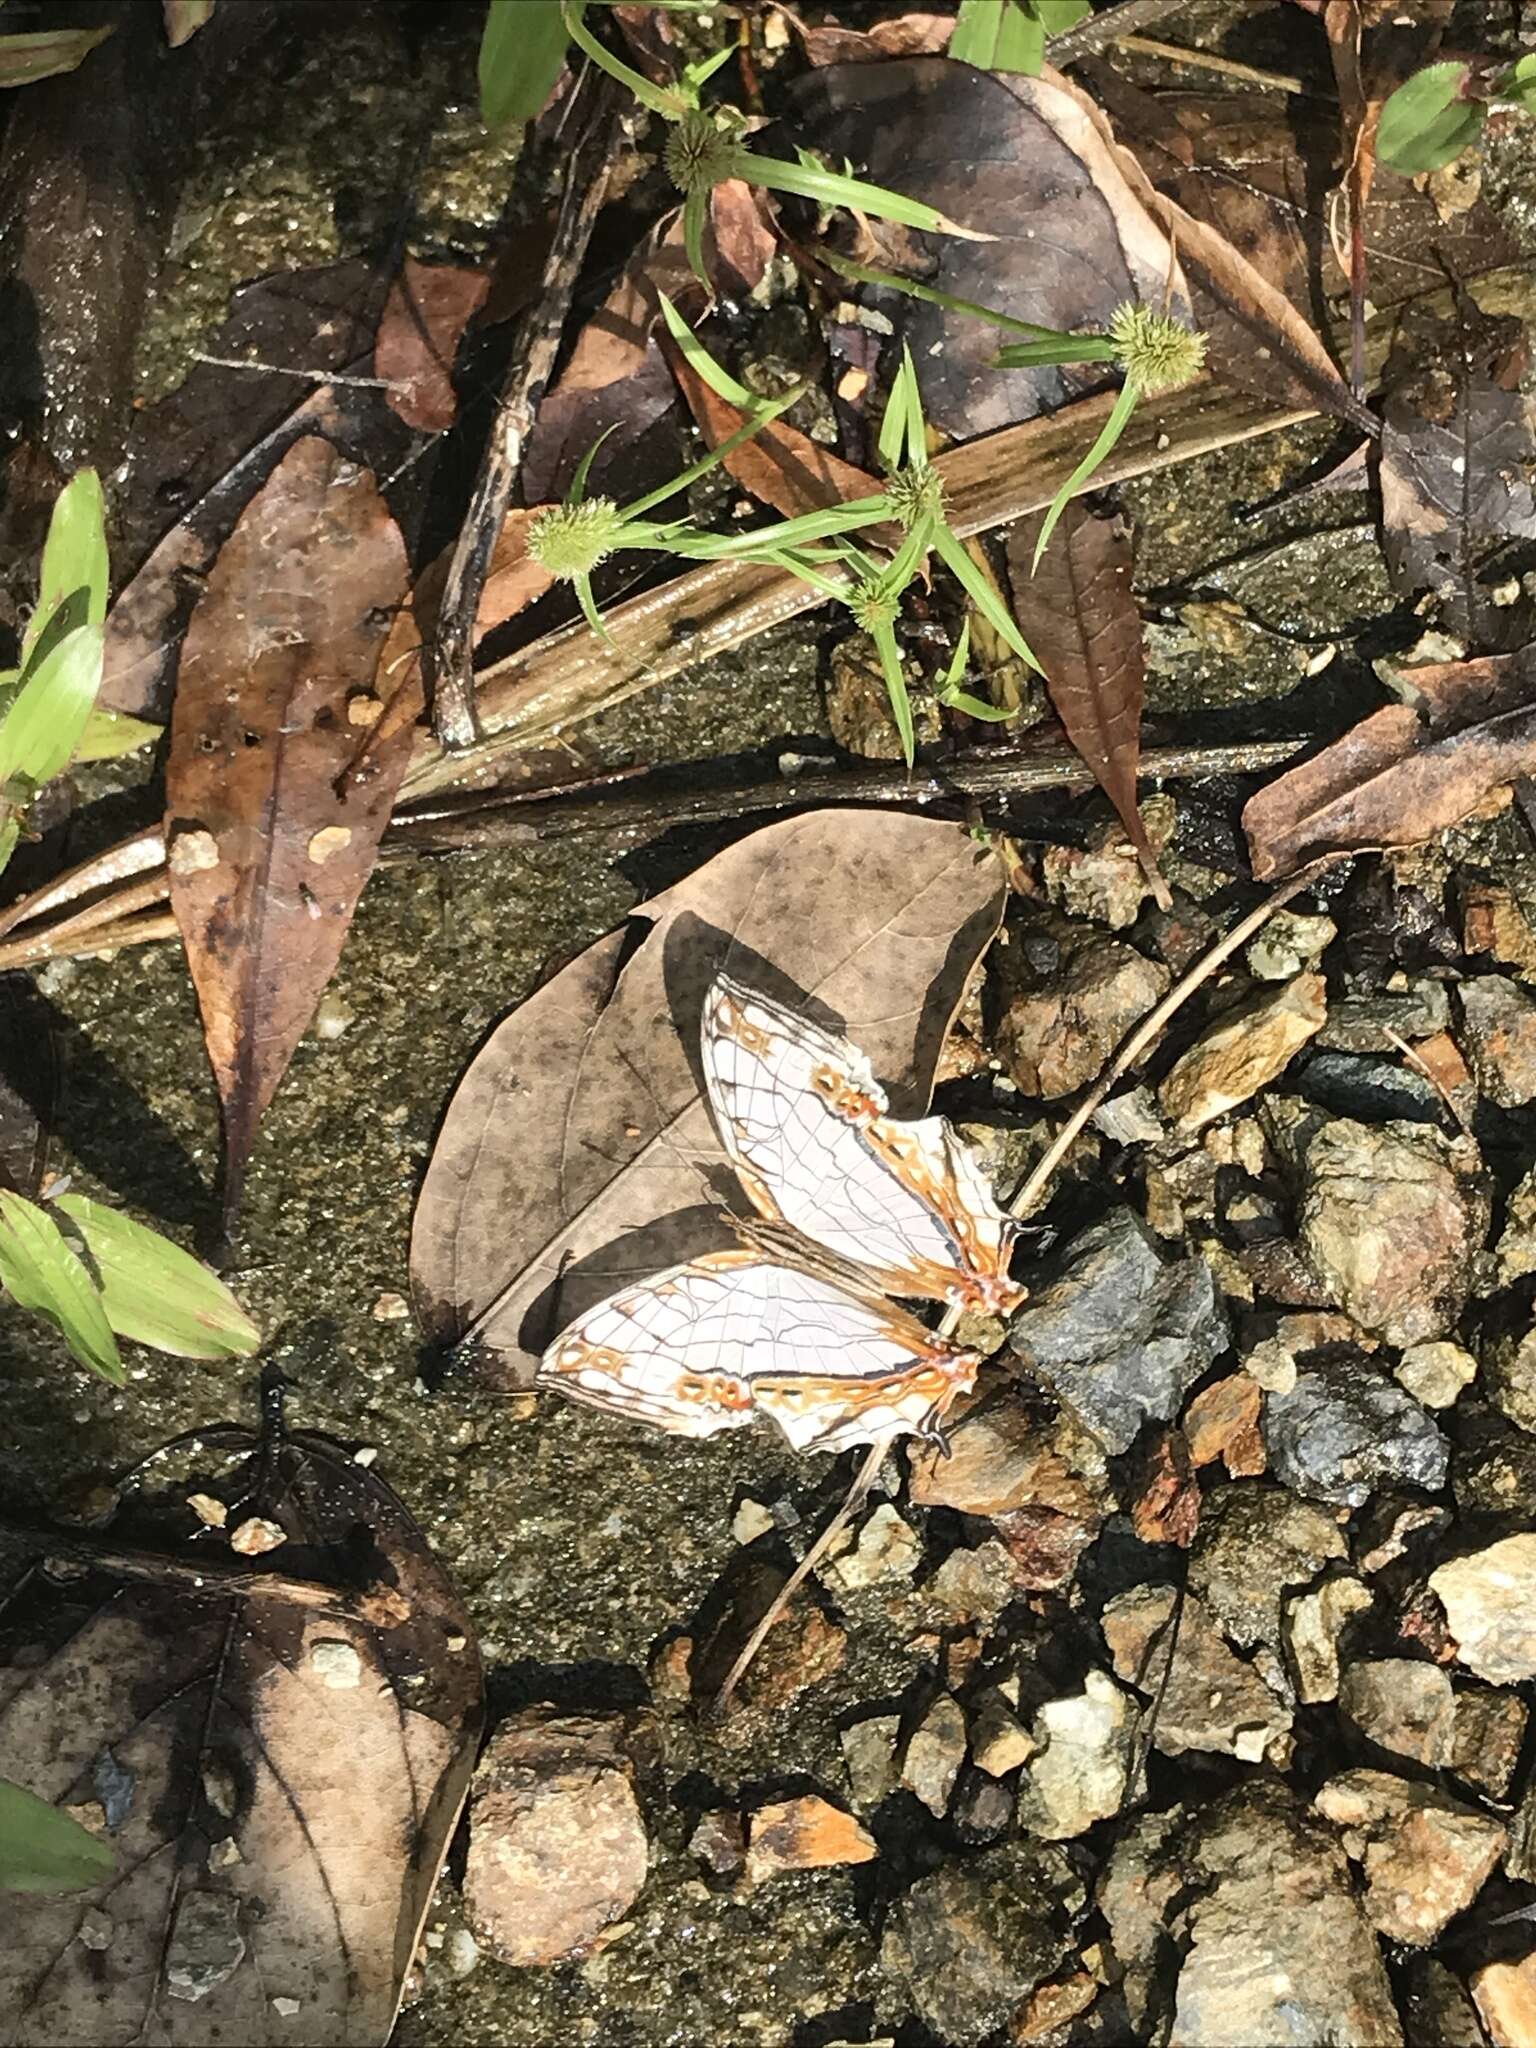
853 1500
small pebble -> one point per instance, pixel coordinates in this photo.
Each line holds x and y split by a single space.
391 1308
256 1536
336 1664
213 1514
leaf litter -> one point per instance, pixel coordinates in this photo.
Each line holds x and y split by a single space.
274 1758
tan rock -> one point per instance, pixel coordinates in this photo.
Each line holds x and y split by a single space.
1425 1856
1505 1997
808 1833
1489 1599
999 1460
1223 1422
1244 1052
935 1754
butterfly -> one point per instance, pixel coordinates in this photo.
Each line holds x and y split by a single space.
853 1205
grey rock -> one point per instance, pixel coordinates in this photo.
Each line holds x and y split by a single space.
1081 1766
1255 1542
1130 1119
965 1948
935 1752
1207 1698
1343 1431
1401 1705
869 1752
558 1850
1370 1023
1425 1855
1499 1037
1250 1900
1117 1333
1391 1216
1375 1087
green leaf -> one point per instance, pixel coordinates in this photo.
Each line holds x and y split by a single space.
950 550
834 188
703 364
42 1272
44 725
10 832
74 563
43 1850
1426 122
522 53
157 1294
1519 84
1109 434
109 735
1011 35
46 52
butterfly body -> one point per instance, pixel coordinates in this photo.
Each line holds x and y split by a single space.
852 1205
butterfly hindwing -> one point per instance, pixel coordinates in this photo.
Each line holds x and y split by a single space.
808 1129
716 1343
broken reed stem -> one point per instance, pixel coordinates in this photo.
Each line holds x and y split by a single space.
585 183
1154 1023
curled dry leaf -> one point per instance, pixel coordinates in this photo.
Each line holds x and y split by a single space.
576 1150
903 35
1404 773
279 1770
1078 613
428 308
1029 161
268 765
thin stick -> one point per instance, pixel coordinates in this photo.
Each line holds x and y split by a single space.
1109 27
1206 60
587 168
305 376
1152 1025
853 1500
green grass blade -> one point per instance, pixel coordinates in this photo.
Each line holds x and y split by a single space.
853 516
41 1271
72 583
974 707
1071 348
1109 434
959 658
589 610
670 105
578 489
703 364
522 53
45 723
950 550
154 1292
833 188
745 432
892 280
884 638
43 1850
695 217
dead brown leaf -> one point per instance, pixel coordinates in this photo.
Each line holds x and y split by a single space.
275 797
780 466
1458 460
1029 161
279 1775
574 1152
903 35
1078 614
1400 777
428 308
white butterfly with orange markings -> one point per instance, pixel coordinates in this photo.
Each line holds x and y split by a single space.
795 1327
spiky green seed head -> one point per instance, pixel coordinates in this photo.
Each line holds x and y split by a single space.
699 155
911 492
1157 352
570 540
874 604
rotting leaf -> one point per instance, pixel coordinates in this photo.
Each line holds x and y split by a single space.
1029 161
573 1154
46 53
275 797
1457 463
1406 772
428 308
1079 615
283 1766
919 34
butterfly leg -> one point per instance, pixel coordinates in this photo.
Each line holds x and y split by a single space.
853 1500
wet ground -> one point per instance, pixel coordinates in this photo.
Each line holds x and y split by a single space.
578 1541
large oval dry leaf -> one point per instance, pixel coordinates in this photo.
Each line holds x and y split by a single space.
577 1153
1025 160
275 801
279 1770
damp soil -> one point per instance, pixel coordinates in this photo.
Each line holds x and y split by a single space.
578 1541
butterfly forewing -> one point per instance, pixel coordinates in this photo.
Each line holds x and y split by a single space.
806 1126
716 1343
